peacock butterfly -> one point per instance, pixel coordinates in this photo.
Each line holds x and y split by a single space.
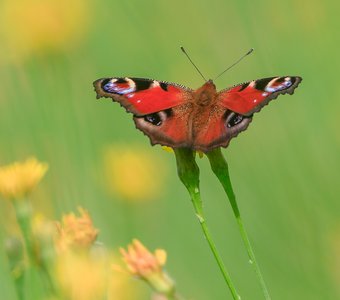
203 119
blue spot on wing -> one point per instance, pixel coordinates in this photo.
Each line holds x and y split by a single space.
114 87
284 85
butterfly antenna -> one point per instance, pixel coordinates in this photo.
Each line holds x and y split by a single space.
236 62
183 50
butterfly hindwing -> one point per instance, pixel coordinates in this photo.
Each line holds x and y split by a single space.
141 96
220 128
168 127
251 96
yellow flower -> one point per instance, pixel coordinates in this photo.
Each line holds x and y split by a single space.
81 276
148 266
38 26
132 173
19 179
75 232
88 276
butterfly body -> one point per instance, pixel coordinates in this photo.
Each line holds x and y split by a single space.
203 119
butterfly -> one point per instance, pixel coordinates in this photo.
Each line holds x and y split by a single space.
176 116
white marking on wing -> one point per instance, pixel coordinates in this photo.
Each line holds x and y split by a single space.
155 84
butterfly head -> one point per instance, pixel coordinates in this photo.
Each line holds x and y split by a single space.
209 85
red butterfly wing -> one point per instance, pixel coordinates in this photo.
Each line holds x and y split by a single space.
168 127
219 129
142 96
250 97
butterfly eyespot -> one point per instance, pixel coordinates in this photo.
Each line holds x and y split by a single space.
154 119
234 119
279 84
120 86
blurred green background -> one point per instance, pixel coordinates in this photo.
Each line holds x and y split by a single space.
285 167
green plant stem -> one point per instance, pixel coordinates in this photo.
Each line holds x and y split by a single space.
19 287
220 168
188 173
23 211
15 254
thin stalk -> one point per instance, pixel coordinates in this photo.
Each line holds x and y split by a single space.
19 287
23 211
199 213
220 168
15 252
188 173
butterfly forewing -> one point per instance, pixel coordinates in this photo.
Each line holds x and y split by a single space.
141 96
251 96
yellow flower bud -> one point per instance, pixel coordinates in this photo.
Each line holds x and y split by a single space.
148 266
75 232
